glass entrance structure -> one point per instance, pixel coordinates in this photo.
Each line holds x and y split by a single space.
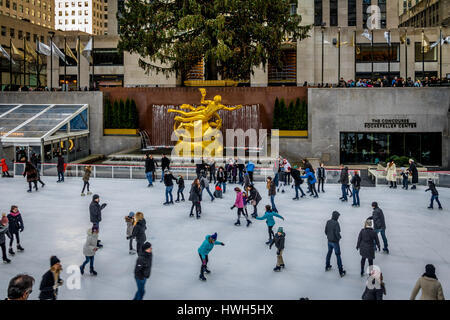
46 130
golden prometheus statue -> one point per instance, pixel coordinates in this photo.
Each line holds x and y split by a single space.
198 130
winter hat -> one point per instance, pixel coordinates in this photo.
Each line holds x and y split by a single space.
402 168
146 246
375 204
280 229
214 236
54 260
131 214
95 197
295 166
430 269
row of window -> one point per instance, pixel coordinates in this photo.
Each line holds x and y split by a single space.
80 5
20 34
80 21
351 16
33 2
426 18
80 13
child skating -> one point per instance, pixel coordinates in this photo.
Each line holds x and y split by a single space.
15 226
405 180
86 177
434 194
129 220
239 204
278 240
180 183
4 230
206 247
5 169
270 221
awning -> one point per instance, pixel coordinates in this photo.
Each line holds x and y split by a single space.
34 124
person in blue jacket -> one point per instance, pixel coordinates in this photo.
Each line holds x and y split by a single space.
250 168
268 216
204 250
311 179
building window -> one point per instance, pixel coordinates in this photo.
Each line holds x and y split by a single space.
32 12
28 36
351 13
382 5
86 4
108 56
20 8
3 31
430 56
333 13
317 12
20 34
365 5
381 52
73 21
7 3
42 39
35 38
27 11
11 32
60 13
14 6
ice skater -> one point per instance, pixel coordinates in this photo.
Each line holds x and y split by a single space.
270 221
168 182
5 169
142 269
222 178
367 237
379 224
195 195
15 227
36 162
356 186
272 189
60 167
434 194
391 174
203 251
278 240
254 197
239 204
333 233
405 178
414 173
165 165
180 183
31 174
140 225
86 177
4 230
204 183
51 280
343 180
250 168
296 176
311 180
129 220
89 250
430 285
95 212
321 176
150 165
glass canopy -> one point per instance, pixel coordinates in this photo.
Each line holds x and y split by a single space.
34 123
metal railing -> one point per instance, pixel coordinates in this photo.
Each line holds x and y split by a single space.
379 177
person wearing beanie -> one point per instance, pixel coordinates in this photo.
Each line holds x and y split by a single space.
343 180
89 250
15 226
168 177
203 251
142 269
272 188
296 175
379 224
434 194
51 280
321 176
333 233
367 237
129 220
430 285
278 240
95 211
4 230
311 181
254 197
5 169
270 221
180 183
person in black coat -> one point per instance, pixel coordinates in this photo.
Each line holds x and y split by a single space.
32 175
139 231
180 183
343 180
95 212
434 195
49 287
150 165
142 269
165 164
367 237
356 186
36 162
222 178
212 170
333 233
414 173
195 195
296 175
278 240
375 287
254 198
60 168
321 175
379 224
168 182
15 226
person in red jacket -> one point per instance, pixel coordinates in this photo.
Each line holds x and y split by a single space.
5 168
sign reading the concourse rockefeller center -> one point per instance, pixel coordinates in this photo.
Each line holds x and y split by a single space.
390 123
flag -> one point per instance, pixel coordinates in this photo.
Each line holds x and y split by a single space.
87 51
58 52
43 48
387 36
366 34
353 44
31 53
425 45
403 38
326 42
69 53
341 43
6 55
445 40
16 52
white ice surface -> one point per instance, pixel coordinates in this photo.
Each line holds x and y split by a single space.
56 219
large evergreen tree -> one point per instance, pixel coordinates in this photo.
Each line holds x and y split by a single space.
116 115
276 115
283 112
233 36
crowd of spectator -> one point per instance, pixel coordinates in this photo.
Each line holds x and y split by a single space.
395 82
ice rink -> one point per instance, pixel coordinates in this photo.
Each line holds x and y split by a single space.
56 219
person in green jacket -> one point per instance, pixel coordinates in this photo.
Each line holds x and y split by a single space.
206 247
268 216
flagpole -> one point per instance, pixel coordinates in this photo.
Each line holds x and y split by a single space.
10 64
406 53
37 70
339 55
423 55
371 54
51 60
24 63
389 57
78 62
440 55
65 65
322 53
93 65
354 49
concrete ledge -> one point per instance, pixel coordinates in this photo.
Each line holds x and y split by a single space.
121 132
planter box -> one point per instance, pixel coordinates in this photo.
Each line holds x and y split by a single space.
291 133
121 132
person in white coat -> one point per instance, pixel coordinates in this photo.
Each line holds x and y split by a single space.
391 174
89 250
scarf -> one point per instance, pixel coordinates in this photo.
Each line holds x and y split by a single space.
15 214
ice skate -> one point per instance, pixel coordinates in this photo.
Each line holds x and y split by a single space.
268 242
202 277
89 193
277 269
282 265
29 191
248 223
166 203
191 215
82 194
327 268
237 223
81 270
93 273
177 201
342 273
132 251
207 270
6 260
296 198
254 215
386 250
11 252
19 248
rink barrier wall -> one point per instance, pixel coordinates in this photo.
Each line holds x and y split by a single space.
440 178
